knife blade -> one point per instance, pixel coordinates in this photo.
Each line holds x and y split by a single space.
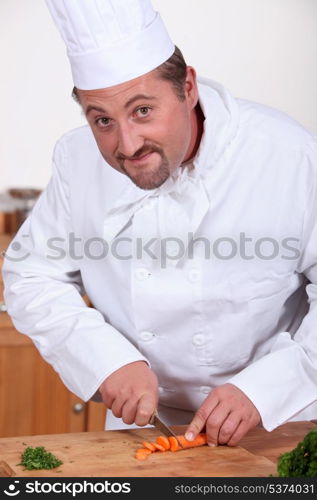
162 427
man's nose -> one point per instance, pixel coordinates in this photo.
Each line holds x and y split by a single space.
129 140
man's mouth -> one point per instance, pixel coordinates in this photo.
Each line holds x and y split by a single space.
139 160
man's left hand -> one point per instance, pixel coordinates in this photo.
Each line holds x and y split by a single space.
228 415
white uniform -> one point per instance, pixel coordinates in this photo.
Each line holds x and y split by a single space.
226 308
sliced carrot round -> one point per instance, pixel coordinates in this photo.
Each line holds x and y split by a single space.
174 446
163 441
144 450
159 447
149 446
141 456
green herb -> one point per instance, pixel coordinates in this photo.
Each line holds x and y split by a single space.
302 460
39 458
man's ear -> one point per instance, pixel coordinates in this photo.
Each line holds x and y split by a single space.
191 89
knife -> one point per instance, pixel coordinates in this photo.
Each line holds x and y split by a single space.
160 426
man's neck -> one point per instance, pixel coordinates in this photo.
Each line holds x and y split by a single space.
197 132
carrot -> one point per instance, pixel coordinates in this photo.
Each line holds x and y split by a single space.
149 446
171 443
200 440
163 441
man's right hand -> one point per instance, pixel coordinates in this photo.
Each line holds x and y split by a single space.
131 392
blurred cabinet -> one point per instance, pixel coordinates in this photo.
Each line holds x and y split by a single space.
33 398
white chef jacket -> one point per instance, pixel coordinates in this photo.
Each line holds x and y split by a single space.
242 312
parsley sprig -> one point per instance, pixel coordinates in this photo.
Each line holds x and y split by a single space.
39 458
302 460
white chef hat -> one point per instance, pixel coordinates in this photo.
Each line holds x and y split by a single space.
110 41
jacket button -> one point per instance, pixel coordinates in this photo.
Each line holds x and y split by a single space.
198 339
142 274
147 335
194 275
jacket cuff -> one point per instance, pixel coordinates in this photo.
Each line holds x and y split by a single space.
280 384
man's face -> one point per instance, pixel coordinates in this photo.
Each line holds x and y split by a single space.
142 128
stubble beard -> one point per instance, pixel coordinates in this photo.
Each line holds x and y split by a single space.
150 180
147 178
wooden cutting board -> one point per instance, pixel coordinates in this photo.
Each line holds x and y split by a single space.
111 454
273 444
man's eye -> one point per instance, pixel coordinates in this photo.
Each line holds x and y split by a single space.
143 111
103 122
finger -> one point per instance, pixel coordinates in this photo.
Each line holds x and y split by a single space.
117 406
145 409
106 396
241 431
214 423
229 427
200 418
128 411
108 401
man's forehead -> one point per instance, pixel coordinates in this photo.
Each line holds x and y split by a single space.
147 86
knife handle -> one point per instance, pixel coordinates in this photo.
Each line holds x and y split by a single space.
152 419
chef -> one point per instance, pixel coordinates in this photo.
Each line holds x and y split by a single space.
189 219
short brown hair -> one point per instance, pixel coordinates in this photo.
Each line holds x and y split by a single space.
173 70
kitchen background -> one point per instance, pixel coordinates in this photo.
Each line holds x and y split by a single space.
263 50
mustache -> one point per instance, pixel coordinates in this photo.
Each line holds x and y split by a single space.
140 152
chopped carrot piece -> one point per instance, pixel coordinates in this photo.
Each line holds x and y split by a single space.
149 446
163 441
146 451
141 456
174 446
159 447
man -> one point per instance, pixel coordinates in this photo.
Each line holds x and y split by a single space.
188 217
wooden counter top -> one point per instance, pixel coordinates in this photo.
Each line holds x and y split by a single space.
111 454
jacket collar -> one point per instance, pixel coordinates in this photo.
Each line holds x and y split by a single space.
220 127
